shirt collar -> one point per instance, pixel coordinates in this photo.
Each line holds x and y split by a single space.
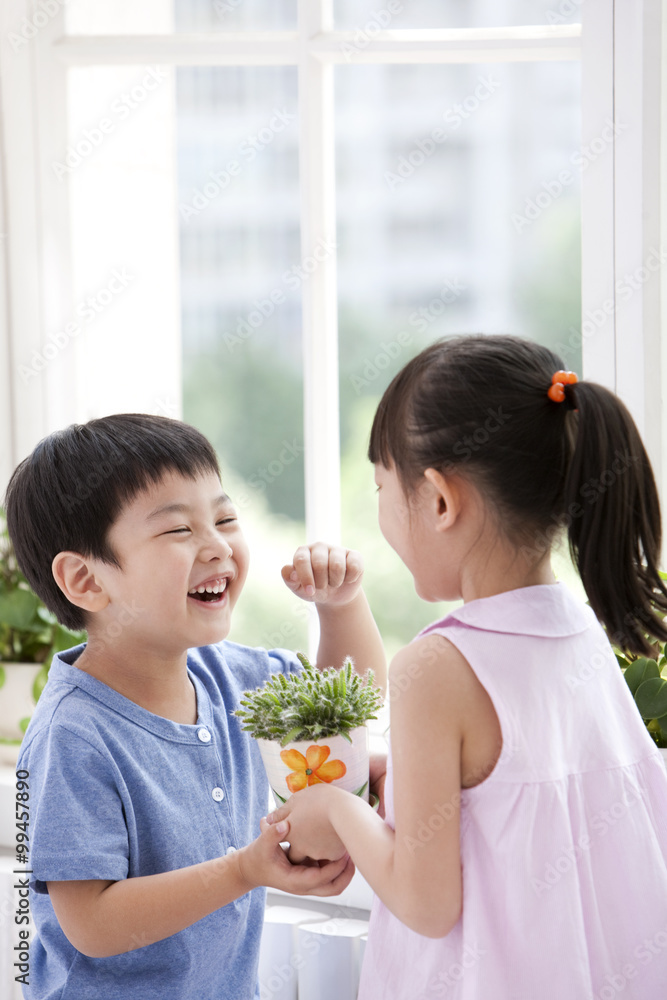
63 669
545 610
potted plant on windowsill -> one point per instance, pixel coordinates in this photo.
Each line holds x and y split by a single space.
30 635
311 728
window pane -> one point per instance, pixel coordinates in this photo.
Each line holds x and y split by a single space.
235 15
458 211
119 166
119 17
150 17
241 316
370 16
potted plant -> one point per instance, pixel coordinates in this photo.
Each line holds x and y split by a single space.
311 728
30 635
644 676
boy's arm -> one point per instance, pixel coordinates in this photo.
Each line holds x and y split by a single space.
101 918
330 576
350 630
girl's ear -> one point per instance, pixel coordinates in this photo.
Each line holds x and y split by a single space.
446 496
75 576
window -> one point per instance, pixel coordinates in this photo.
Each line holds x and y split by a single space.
251 212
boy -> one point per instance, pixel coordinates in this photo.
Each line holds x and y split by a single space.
145 794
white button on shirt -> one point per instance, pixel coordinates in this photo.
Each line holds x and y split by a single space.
204 735
230 850
218 794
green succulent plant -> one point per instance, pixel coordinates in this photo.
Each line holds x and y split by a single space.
29 632
644 676
312 705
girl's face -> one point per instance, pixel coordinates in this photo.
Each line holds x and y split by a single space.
407 525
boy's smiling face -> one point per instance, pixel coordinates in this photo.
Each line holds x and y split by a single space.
178 542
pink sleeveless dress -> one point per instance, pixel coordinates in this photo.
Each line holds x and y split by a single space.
564 845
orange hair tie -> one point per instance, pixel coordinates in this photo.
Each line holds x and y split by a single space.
558 382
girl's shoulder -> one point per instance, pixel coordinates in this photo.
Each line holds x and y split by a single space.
431 679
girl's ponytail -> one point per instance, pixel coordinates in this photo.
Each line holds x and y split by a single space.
613 517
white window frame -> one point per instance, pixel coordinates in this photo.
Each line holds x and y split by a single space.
623 216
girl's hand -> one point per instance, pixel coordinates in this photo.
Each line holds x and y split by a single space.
264 862
311 833
324 574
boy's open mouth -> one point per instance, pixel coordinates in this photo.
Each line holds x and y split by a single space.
211 592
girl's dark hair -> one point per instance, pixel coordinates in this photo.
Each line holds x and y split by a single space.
70 490
478 406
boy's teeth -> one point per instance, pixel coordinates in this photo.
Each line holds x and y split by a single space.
215 588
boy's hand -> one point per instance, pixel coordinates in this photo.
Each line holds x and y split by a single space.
311 833
264 862
324 574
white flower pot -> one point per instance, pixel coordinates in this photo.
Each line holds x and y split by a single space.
333 760
663 753
16 703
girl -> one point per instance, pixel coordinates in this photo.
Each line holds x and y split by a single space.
524 852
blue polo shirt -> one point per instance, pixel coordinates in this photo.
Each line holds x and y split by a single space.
117 792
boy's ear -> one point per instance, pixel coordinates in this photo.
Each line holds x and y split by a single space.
75 576
446 496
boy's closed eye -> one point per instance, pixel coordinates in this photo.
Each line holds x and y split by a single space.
224 520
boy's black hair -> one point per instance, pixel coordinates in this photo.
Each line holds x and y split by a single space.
478 406
70 490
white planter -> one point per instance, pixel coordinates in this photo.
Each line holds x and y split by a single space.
663 752
336 761
16 703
